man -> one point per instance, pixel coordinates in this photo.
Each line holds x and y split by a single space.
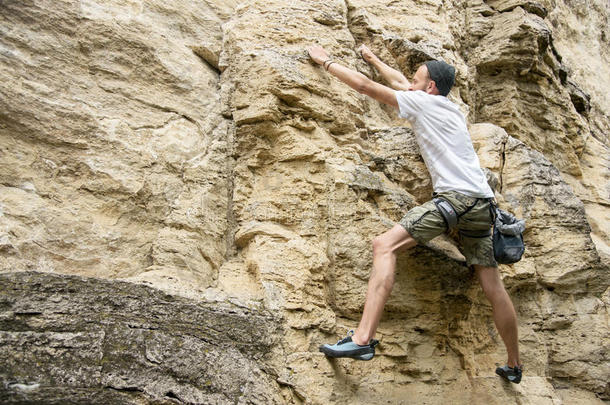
447 150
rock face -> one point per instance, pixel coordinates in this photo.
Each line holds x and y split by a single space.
194 148
131 344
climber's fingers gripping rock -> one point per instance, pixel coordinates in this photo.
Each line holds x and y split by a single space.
318 54
366 53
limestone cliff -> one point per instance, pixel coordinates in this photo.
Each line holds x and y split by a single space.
187 202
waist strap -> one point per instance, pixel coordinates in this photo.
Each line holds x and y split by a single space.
476 234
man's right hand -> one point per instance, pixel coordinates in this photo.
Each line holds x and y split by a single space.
318 54
367 54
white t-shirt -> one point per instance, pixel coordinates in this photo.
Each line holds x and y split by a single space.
444 143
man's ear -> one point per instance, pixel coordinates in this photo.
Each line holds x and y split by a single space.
431 88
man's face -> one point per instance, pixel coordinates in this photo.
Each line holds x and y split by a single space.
421 80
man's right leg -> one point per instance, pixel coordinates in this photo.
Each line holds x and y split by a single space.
504 314
381 281
424 222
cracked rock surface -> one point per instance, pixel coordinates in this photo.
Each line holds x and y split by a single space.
187 202
69 339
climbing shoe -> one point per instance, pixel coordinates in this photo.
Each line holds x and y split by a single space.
346 348
512 374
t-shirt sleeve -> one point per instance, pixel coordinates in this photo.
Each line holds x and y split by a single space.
410 103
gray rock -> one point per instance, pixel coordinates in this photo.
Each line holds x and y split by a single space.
70 339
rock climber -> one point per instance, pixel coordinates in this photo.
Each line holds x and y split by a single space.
457 178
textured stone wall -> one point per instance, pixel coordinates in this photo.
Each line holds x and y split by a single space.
127 345
193 147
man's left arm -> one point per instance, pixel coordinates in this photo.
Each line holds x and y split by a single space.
355 80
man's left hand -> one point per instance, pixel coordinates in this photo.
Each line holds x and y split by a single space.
318 54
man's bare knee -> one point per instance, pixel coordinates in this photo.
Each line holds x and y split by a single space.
495 293
491 283
380 246
394 241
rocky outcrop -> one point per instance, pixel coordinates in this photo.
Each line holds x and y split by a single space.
194 148
69 339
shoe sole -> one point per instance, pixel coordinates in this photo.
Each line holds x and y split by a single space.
507 378
335 354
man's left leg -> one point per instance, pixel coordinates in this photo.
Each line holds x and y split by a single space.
504 313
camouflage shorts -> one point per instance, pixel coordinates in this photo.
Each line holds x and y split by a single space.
424 222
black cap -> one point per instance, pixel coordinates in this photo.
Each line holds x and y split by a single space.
443 75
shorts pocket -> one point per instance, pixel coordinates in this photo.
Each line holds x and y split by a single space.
423 222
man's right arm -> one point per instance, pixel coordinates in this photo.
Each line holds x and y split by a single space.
395 79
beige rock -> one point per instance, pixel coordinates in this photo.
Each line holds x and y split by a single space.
114 155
